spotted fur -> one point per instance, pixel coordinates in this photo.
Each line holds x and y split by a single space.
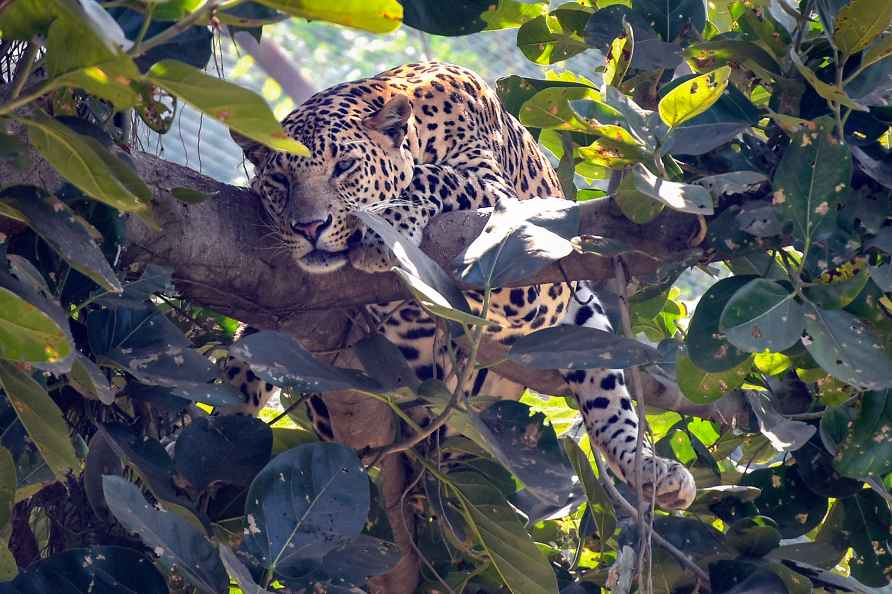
410 143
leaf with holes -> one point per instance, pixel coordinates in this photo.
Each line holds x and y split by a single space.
240 109
868 524
693 97
305 503
866 450
42 418
704 387
578 347
762 316
847 348
173 539
279 359
787 500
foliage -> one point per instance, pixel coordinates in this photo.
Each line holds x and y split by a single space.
768 122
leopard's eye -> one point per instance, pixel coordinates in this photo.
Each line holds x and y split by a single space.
280 179
343 166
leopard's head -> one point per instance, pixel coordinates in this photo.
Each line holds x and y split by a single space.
357 162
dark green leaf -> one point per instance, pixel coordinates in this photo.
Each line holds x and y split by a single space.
278 358
174 540
847 348
528 447
868 522
673 18
816 467
520 238
365 556
785 435
704 386
762 316
239 572
88 379
555 37
305 503
706 347
812 176
228 449
754 537
64 231
599 505
787 500
578 347
866 450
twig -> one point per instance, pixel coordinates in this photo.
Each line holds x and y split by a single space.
630 509
634 387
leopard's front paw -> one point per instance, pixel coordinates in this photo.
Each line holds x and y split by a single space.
668 482
372 256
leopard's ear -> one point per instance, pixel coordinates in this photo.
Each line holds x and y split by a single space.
255 152
391 119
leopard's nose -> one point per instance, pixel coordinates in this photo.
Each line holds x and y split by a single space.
311 229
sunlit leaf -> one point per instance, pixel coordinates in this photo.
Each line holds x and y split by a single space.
377 16
694 96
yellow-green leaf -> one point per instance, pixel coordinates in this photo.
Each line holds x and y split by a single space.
7 487
878 51
693 97
242 110
377 16
28 334
41 418
859 22
84 162
510 14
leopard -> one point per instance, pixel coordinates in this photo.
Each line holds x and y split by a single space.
410 143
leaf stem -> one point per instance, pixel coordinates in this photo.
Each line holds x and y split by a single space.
24 71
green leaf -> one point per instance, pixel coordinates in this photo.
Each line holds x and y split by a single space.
693 97
7 487
27 333
377 16
868 524
519 562
829 92
510 14
190 196
242 110
41 418
90 381
551 108
706 346
847 348
84 162
860 22
681 197
577 347
555 37
239 572
64 231
812 177
599 503
866 450
880 50
173 539
762 316
704 387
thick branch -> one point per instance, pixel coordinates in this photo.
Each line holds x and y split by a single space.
222 257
